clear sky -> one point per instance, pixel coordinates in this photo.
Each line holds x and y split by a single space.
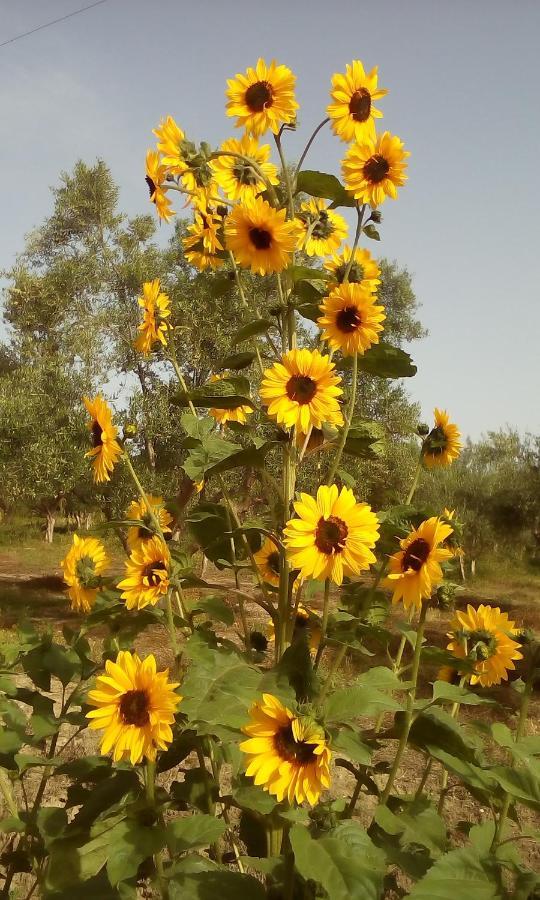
464 83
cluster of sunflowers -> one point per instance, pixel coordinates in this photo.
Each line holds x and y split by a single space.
247 217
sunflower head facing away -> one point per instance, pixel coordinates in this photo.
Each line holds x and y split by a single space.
138 510
488 638
351 320
333 535
320 229
373 170
170 139
155 177
267 560
415 571
236 177
442 445
363 271
262 98
135 707
82 567
306 627
204 242
147 574
105 450
302 390
156 308
352 113
237 414
287 754
260 237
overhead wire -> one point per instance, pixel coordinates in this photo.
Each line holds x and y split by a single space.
70 15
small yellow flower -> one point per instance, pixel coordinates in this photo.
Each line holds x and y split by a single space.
135 707
238 180
302 390
442 445
139 511
364 270
351 320
262 98
82 567
373 170
260 237
485 635
222 416
155 177
147 574
320 229
106 450
204 243
415 571
157 309
352 114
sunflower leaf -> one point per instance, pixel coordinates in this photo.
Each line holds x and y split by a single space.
386 361
251 329
321 184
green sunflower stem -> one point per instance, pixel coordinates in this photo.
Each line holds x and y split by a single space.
171 627
360 210
286 177
411 696
150 789
324 623
415 480
307 147
345 431
181 379
274 837
336 663
151 514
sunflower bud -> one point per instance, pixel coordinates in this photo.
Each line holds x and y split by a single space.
422 429
376 216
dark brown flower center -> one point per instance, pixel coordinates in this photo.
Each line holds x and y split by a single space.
291 750
376 168
96 434
331 535
260 238
360 105
151 573
151 186
273 562
134 708
258 641
356 274
301 388
348 319
415 555
259 95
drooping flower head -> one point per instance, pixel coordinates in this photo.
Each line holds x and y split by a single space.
352 113
260 237
105 450
333 535
138 510
486 636
237 414
373 170
363 271
147 574
82 567
267 561
306 626
135 707
155 178
182 158
156 308
262 98
204 243
442 445
351 320
320 229
415 571
287 754
238 179
302 390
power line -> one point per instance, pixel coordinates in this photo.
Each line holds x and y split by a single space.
54 22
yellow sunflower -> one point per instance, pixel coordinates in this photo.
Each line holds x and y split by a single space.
135 706
333 535
139 511
448 674
238 414
157 309
183 158
485 636
375 169
262 98
415 571
351 320
306 624
267 560
260 237
320 229
236 177
147 574
302 390
287 754
82 566
155 176
105 450
364 270
169 143
204 243
352 114
442 445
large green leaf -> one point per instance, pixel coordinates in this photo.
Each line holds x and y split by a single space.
194 832
321 184
365 439
227 393
237 361
415 823
457 874
251 329
219 883
364 697
386 361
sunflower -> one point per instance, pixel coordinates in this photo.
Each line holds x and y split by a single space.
352 114
135 706
183 158
263 98
320 229
147 574
442 445
238 180
351 320
364 270
138 510
333 535
155 176
157 308
238 414
82 566
267 560
302 390
105 450
170 139
485 636
260 237
287 754
373 170
204 243
415 570
448 674
307 624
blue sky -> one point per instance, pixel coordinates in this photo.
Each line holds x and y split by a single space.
464 84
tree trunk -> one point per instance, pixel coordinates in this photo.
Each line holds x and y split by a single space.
49 526
462 567
473 567
148 443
